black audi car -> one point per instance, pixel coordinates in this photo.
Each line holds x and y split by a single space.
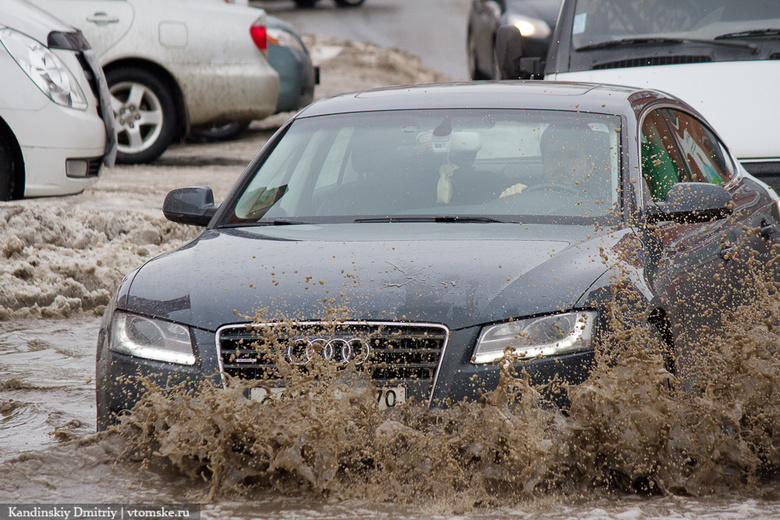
425 235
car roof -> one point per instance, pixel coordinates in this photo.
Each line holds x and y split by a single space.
551 95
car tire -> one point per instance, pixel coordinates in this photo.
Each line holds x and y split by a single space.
139 95
6 172
348 3
305 3
219 133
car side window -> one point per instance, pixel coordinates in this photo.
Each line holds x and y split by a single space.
702 151
662 165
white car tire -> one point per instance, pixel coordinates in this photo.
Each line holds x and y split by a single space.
218 133
6 171
145 114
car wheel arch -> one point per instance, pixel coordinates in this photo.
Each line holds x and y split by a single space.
9 147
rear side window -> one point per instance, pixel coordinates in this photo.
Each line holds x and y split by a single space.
702 151
662 166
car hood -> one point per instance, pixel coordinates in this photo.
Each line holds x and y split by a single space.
30 20
456 274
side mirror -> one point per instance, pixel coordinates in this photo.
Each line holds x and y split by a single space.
193 205
689 202
509 55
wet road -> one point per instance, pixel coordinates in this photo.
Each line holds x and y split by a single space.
434 30
49 454
48 413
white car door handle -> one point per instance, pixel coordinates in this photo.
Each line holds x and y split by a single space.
102 19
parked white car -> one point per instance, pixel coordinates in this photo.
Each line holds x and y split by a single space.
53 137
175 65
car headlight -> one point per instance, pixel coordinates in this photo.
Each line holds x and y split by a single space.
46 70
536 337
150 338
531 26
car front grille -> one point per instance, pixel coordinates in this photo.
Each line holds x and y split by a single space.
389 352
654 61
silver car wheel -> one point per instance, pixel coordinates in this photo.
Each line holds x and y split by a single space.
139 116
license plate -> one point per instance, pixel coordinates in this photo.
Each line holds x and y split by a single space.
390 396
386 396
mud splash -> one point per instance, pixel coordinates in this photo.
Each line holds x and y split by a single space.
633 427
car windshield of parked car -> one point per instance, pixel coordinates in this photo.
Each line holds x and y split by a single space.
438 165
599 23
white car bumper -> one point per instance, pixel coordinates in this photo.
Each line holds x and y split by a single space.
55 140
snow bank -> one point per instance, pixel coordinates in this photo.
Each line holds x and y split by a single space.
56 263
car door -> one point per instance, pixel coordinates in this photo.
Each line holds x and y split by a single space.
691 273
748 235
103 22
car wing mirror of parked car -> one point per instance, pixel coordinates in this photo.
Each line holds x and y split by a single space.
689 202
192 205
509 55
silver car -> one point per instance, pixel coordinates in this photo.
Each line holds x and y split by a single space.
175 65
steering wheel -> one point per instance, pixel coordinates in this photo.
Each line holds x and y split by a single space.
552 187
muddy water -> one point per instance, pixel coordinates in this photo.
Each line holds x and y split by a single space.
495 460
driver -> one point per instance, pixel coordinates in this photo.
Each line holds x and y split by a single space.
568 158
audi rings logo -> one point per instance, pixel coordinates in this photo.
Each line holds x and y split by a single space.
338 350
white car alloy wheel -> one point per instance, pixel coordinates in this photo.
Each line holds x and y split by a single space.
139 115
144 113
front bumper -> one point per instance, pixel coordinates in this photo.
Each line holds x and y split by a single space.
457 379
47 140
297 77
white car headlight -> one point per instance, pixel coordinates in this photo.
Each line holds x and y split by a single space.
149 338
536 337
46 70
531 26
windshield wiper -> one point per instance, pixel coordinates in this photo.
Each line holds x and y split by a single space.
754 33
627 42
463 219
277 222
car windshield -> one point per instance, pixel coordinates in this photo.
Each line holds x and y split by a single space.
599 21
437 165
